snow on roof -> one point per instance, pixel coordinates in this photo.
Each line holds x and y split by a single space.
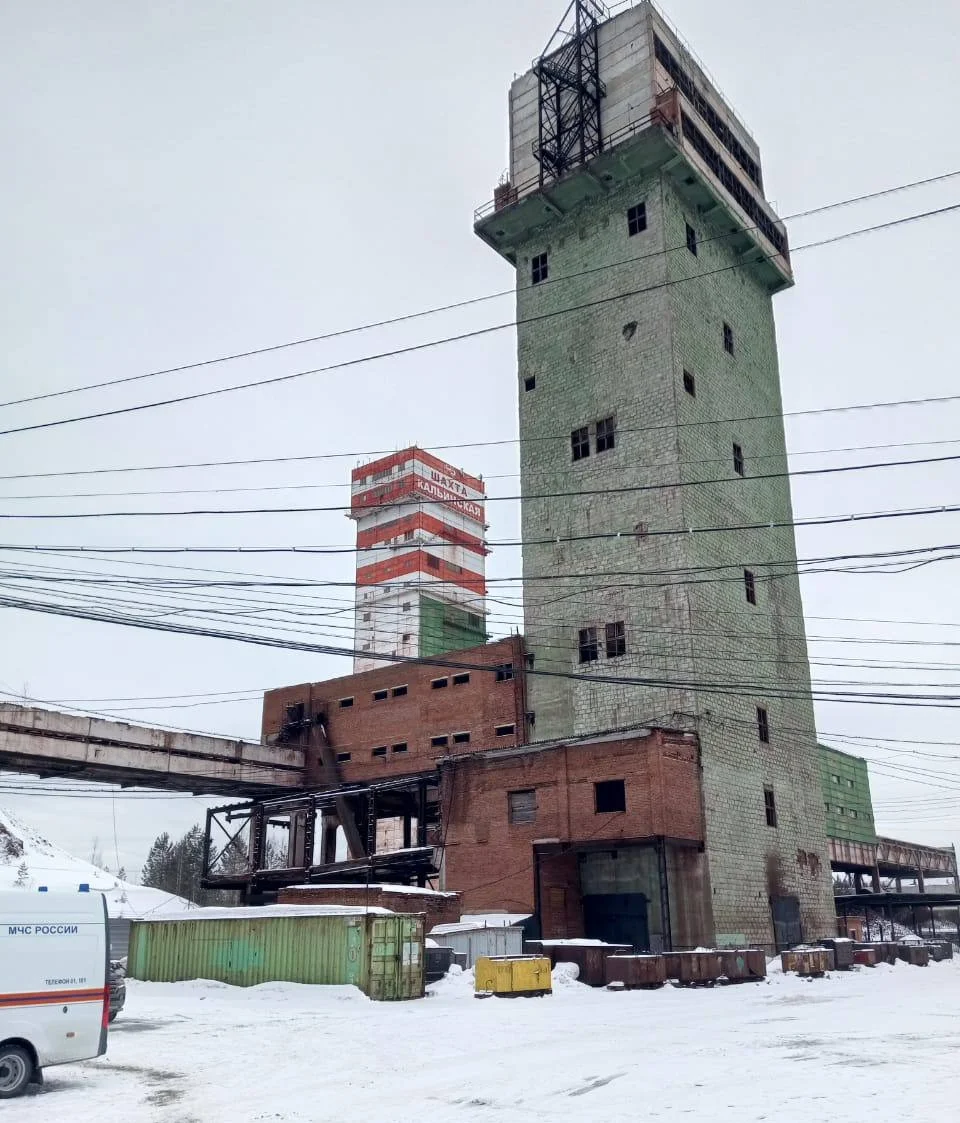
265 912
496 919
385 887
583 943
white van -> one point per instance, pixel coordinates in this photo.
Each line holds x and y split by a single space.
54 983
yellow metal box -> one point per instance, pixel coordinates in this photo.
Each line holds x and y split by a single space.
512 975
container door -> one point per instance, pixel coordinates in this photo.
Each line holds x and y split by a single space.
411 978
385 957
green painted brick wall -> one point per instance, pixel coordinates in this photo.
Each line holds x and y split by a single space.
625 358
445 627
845 786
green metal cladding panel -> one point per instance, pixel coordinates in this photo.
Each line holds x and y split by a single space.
845 782
444 627
382 955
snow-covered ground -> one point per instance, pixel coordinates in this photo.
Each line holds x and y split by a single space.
878 1045
28 861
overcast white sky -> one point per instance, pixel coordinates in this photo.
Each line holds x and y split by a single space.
186 180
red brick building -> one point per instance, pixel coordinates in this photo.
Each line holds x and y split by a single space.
402 718
600 836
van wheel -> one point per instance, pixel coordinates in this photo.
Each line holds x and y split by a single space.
16 1070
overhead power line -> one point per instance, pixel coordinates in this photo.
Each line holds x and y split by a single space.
476 333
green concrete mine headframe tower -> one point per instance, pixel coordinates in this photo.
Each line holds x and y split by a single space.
652 435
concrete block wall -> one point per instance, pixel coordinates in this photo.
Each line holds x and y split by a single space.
637 312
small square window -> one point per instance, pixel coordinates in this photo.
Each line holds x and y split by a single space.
342 758
380 751
381 695
504 672
580 443
853 814
399 691
505 730
522 806
408 535
749 586
530 383
400 747
616 639
366 617
763 725
439 742
728 339
850 784
461 680
589 650
738 462
438 683
637 219
366 647
345 703
406 637
835 779
691 239
406 606
538 268
609 797
606 435
432 562
461 738
689 384
770 806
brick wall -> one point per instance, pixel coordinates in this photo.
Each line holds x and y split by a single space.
477 707
440 908
490 860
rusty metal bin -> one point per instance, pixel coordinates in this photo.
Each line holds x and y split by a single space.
916 954
641 971
591 959
865 957
843 950
808 962
697 968
940 950
886 952
741 965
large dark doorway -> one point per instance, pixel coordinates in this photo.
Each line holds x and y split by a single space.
787 931
617 918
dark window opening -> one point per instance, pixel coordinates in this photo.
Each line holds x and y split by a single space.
399 691
406 606
461 738
380 695
609 796
461 680
580 443
366 617
346 703
405 638
504 672
728 339
616 639
763 725
505 730
589 650
637 219
295 714
689 384
750 586
379 751
400 747
438 683
522 806
606 435
530 383
439 742
538 268
691 239
342 758
408 535
738 463
432 562
770 806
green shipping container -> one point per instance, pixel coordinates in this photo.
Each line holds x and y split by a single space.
382 954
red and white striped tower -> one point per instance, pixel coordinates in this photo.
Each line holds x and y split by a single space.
421 554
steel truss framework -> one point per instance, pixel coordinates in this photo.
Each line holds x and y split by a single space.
570 92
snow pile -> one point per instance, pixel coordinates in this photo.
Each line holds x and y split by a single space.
28 860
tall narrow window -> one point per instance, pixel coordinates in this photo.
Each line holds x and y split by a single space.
750 586
689 384
691 239
538 268
589 649
616 639
637 219
763 725
738 463
606 434
580 443
770 806
728 339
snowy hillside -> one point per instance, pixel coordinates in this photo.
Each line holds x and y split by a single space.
27 861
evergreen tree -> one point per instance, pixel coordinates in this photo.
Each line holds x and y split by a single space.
158 867
23 876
